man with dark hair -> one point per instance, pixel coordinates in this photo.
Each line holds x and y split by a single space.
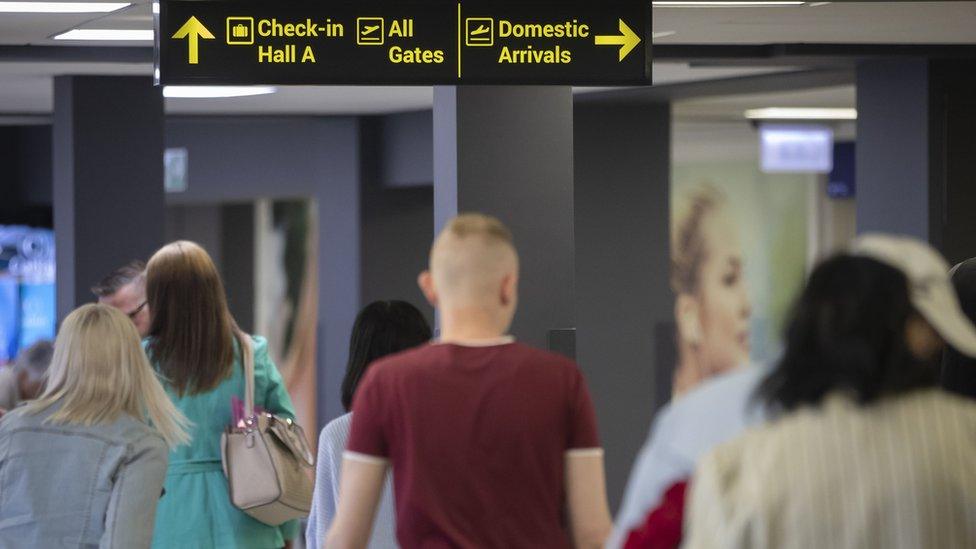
125 289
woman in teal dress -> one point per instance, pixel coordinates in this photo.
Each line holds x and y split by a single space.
195 345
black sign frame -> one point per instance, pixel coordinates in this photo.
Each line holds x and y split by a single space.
533 43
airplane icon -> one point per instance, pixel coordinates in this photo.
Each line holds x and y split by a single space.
479 31
369 31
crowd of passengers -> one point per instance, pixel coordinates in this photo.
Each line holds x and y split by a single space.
862 434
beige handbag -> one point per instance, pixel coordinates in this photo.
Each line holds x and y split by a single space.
267 462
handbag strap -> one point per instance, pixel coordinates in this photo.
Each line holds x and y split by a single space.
247 353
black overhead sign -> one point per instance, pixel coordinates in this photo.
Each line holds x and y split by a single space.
411 42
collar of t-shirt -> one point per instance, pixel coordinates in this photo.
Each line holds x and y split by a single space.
483 342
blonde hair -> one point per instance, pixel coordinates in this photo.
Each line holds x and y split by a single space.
99 372
470 255
688 239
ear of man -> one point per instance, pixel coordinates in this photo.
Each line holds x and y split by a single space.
426 283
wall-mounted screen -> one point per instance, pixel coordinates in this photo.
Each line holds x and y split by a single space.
27 305
796 148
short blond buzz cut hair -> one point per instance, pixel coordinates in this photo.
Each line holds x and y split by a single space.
470 257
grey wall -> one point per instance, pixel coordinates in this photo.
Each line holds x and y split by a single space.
405 148
397 222
623 298
893 147
398 228
953 161
226 231
241 159
26 186
108 178
201 223
508 151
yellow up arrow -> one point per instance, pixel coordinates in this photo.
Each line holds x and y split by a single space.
627 40
193 30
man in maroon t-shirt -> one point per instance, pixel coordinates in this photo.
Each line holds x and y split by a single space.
491 441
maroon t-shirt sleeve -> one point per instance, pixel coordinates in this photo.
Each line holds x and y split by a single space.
582 427
368 432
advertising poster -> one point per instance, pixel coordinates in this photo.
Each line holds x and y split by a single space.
738 257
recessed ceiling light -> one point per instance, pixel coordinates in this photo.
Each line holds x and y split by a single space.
789 113
204 92
730 4
61 7
106 34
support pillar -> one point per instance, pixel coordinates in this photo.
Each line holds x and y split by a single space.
916 159
624 304
507 151
108 178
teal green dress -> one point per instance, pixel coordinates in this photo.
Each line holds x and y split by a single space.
196 511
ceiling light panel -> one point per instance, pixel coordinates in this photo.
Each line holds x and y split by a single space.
141 35
208 92
61 7
787 113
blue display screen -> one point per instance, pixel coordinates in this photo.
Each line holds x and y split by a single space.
27 299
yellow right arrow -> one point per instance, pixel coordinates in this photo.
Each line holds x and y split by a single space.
193 30
627 40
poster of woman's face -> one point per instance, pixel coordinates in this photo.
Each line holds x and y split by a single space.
738 254
712 304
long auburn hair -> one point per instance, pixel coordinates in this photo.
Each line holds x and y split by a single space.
191 336
100 373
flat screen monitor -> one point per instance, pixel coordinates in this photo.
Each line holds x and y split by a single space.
27 299
796 148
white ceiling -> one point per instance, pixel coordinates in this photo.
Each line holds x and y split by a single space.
836 22
27 87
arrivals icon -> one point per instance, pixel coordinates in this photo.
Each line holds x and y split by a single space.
479 31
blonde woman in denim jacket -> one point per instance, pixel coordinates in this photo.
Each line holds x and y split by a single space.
83 465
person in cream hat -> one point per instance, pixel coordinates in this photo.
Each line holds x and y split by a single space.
929 284
867 450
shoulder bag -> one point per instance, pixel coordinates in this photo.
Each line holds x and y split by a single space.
267 461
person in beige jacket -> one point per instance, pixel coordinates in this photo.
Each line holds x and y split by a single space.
868 451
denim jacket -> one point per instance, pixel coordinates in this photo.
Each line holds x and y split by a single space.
78 486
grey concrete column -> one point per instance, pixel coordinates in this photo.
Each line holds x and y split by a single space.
340 266
893 147
916 158
508 152
624 305
108 178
